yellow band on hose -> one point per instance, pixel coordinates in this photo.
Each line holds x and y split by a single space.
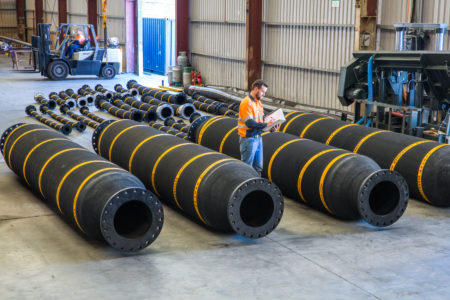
421 167
322 180
269 168
118 135
311 124
226 137
292 120
175 183
361 142
303 170
204 127
333 134
130 162
400 155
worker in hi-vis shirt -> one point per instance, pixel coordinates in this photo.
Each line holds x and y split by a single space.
251 124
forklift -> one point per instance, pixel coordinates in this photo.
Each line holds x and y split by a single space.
88 59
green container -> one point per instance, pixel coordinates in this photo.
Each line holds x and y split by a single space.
187 70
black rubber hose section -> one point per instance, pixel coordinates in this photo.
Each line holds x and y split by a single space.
85 112
179 98
88 96
88 89
51 104
332 180
68 101
81 101
120 89
209 108
103 104
65 109
184 111
424 164
214 189
169 130
108 94
147 116
80 125
162 112
212 93
31 111
101 199
178 126
66 98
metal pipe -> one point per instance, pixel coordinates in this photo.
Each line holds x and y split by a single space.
179 98
332 180
65 109
103 104
102 200
31 111
214 189
80 126
51 104
424 164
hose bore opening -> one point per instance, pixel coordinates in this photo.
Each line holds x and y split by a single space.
384 198
256 208
166 112
188 111
133 219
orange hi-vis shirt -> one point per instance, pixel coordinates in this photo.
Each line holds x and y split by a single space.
249 110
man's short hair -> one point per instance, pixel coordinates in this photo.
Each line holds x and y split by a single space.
259 83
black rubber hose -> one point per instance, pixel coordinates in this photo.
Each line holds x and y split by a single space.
68 101
214 189
178 126
31 111
120 89
88 89
424 164
103 104
108 94
194 117
101 199
80 125
88 96
169 130
179 98
162 111
147 116
200 98
81 101
65 109
209 108
212 93
51 104
184 111
85 112
66 97
332 180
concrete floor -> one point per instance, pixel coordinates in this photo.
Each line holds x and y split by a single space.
309 256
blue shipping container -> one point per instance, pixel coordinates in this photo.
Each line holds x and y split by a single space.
158 45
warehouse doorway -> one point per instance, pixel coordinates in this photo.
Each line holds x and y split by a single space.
158 28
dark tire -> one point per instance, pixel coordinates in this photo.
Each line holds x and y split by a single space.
57 70
108 72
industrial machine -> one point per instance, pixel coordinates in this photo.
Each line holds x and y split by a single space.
89 59
410 86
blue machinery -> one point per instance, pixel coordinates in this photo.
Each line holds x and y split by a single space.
410 87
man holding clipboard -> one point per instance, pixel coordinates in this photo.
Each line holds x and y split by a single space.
251 123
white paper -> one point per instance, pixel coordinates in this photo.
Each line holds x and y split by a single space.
334 3
273 119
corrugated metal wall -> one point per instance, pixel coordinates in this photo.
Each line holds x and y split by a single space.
304 45
8 18
434 11
217 40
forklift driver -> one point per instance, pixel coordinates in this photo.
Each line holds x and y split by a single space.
76 43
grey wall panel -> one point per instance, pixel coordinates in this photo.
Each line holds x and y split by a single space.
326 48
218 10
308 12
223 40
51 12
8 18
219 71
305 87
